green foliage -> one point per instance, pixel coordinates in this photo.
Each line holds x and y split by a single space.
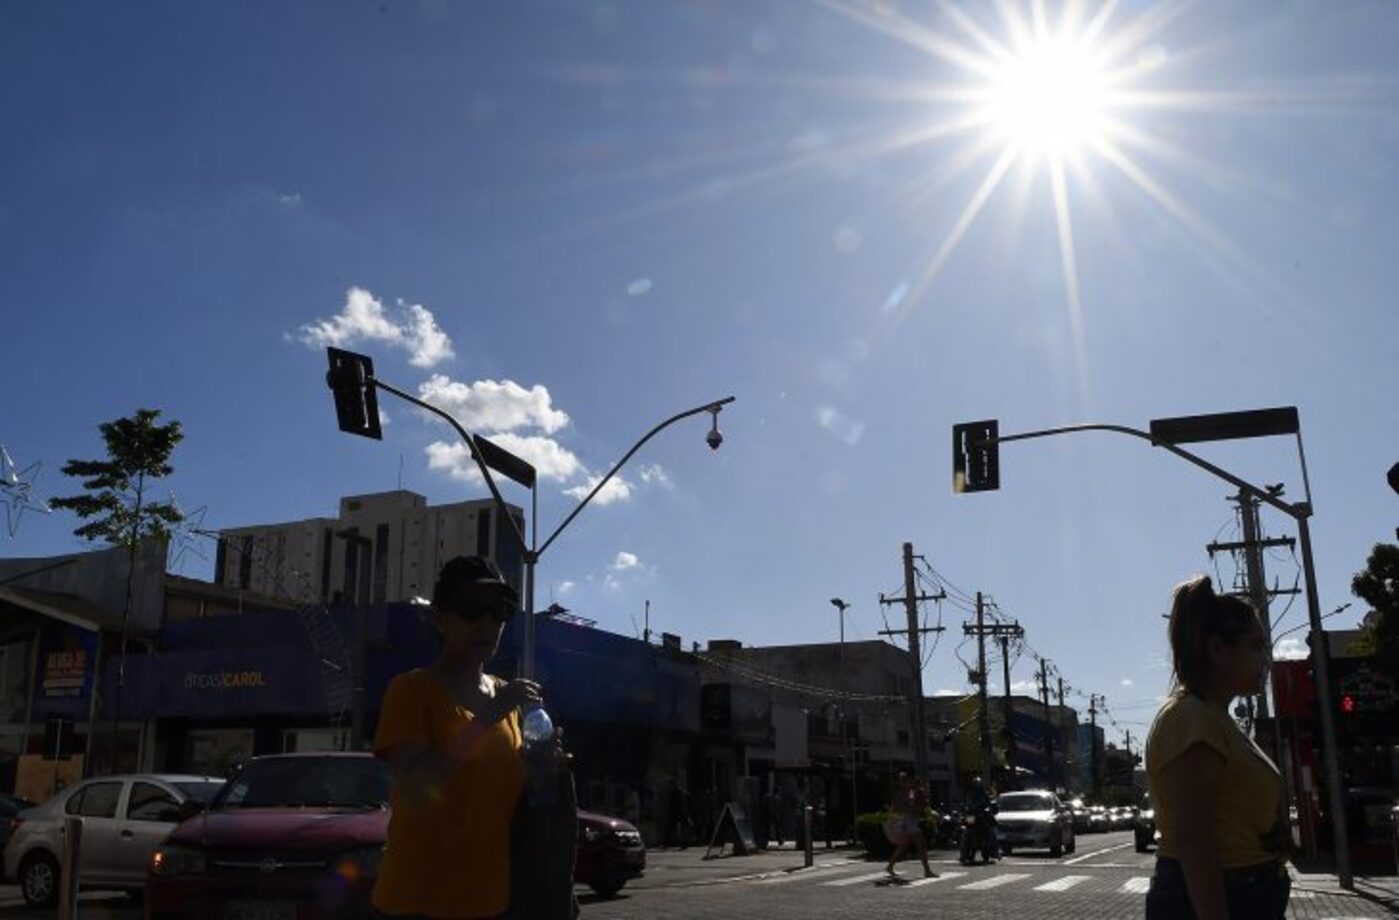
114 507
1378 586
869 831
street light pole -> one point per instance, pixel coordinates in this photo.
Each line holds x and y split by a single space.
351 378
975 456
841 606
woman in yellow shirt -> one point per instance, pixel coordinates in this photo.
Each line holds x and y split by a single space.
1218 798
451 735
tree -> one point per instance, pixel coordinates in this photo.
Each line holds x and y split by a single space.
115 509
1378 586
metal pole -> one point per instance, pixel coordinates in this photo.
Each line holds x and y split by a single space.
806 818
1321 662
984 717
1008 731
69 868
919 736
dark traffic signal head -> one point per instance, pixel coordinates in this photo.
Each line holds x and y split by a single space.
351 380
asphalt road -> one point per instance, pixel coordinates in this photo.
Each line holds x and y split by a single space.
1105 879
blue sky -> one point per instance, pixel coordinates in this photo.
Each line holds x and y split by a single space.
628 209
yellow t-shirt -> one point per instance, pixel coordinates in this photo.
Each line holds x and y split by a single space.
1250 789
448 856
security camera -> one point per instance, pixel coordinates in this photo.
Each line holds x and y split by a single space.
714 438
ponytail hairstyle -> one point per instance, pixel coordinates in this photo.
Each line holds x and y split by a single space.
1198 615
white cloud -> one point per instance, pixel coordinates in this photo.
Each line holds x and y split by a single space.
491 405
844 427
364 319
639 286
625 560
548 457
1026 687
1292 648
616 490
383 417
1127 682
654 475
564 588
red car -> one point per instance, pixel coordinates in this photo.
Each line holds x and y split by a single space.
300 836
610 853
291 837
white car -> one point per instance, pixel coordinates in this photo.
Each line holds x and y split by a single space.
124 819
1034 819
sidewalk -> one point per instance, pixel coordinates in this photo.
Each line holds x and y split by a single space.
1379 890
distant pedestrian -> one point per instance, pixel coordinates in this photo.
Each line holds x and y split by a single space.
773 803
451 736
1218 797
905 829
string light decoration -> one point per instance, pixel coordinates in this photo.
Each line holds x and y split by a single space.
184 537
17 491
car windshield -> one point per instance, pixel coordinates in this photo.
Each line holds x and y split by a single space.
200 791
349 782
1022 802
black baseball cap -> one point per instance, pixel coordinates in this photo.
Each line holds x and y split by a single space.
469 580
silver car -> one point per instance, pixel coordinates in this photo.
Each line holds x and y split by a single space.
124 819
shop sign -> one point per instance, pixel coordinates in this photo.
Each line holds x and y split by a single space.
67 661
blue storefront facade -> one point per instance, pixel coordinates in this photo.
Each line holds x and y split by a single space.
222 689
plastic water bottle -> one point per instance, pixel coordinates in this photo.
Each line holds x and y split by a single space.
540 766
537 727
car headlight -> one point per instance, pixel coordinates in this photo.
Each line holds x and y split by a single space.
1149 815
591 834
172 859
361 863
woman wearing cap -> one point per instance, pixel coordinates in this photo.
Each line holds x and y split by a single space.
451 736
1218 798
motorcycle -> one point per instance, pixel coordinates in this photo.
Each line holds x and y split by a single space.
978 835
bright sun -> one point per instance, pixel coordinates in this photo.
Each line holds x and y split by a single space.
1047 97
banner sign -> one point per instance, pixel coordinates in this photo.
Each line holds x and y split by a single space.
67 663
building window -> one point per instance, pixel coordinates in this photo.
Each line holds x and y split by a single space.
381 563
245 564
483 532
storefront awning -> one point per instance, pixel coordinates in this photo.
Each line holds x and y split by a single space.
38 605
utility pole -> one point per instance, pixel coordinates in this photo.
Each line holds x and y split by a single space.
1093 744
911 598
1003 633
1007 733
1048 726
984 720
1068 746
1256 587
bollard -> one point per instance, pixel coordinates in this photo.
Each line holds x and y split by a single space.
68 871
806 837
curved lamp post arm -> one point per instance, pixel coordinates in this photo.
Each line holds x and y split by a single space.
707 407
1297 512
471 446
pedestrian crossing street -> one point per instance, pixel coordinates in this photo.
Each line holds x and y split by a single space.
999 879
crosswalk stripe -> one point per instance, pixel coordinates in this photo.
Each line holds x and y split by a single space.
855 880
819 871
994 881
944 877
1135 885
1063 884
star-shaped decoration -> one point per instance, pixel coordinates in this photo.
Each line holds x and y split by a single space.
17 490
186 536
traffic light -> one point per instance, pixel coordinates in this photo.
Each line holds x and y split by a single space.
976 457
351 380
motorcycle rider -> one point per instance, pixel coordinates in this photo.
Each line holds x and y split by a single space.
981 805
